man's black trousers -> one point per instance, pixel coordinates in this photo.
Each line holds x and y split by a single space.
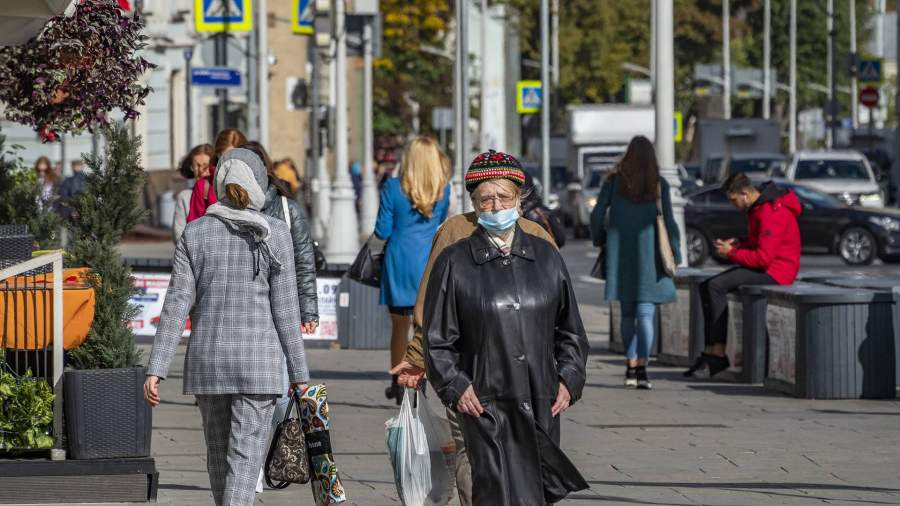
714 296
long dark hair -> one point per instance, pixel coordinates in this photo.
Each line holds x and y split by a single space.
267 161
638 171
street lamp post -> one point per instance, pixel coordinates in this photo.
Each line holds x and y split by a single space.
854 102
369 211
545 96
343 239
726 59
792 107
665 108
767 58
461 101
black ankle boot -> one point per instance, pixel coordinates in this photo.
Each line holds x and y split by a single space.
643 381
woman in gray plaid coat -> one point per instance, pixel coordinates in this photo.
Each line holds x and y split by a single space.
234 267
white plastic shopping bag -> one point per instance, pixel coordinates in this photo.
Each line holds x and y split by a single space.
421 452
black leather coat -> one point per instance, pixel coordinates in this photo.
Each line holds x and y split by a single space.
304 254
510 327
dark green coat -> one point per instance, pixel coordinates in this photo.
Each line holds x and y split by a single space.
634 271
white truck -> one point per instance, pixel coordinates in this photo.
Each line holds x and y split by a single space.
597 138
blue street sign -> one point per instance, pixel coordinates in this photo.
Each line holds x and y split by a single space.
219 77
219 15
869 71
302 17
528 97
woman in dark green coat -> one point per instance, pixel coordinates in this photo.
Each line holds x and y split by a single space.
635 277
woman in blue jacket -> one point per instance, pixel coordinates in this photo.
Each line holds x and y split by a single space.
633 194
412 208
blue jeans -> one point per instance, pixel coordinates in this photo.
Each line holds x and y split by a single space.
637 329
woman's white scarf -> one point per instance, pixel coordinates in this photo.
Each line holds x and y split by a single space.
237 171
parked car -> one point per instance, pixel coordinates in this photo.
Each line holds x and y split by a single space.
845 175
718 168
827 225
583 200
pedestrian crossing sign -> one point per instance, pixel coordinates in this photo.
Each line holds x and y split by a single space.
302 17
223 15
869 71
528 97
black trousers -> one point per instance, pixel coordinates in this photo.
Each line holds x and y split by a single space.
714 296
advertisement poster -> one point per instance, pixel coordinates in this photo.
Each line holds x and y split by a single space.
151 293
328 292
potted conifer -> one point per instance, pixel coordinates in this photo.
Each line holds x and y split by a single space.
106 416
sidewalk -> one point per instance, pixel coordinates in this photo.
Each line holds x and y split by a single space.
682 443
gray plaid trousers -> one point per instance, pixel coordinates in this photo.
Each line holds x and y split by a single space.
236 428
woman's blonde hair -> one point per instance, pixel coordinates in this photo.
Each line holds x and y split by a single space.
424 174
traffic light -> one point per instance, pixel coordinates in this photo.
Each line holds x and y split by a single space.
323 23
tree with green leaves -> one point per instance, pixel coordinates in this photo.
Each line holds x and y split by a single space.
411 69
103 214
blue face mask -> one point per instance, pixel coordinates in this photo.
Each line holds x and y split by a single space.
500 221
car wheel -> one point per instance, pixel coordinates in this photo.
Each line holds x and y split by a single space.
697 247
857 246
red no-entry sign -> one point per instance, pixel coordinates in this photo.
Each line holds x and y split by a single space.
869 97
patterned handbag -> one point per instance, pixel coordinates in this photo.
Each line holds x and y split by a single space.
327 487
287 461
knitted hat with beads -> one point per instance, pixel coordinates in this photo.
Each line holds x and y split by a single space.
494 165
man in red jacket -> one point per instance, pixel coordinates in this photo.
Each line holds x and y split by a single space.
770 255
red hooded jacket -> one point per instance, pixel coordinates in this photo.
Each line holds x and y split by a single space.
773 243
203 196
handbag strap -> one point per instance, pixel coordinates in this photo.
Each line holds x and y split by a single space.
659 199
286 211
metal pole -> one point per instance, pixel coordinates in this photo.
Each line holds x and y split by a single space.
854 84
58 363
262 73
369 191
726 60
188 118
665 108
830 73
653 49
545 96
792 106
460 102
482 141
554 47
897 104
767 58
313 175
343 241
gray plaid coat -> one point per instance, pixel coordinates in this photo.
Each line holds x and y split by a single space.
243 321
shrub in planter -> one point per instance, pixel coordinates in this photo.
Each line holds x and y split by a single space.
106 415
26 411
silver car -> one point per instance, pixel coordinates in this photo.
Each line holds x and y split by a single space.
845 175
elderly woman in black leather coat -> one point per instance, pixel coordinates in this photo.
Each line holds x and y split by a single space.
505 345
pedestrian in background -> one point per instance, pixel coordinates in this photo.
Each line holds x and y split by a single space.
534 209
504 344
193 167
48 180
634 194
71 187
233 272
412 208
204 193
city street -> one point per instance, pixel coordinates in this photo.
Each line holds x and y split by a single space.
685 442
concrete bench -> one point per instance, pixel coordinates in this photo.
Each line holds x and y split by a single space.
680 332
746 338
829 342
